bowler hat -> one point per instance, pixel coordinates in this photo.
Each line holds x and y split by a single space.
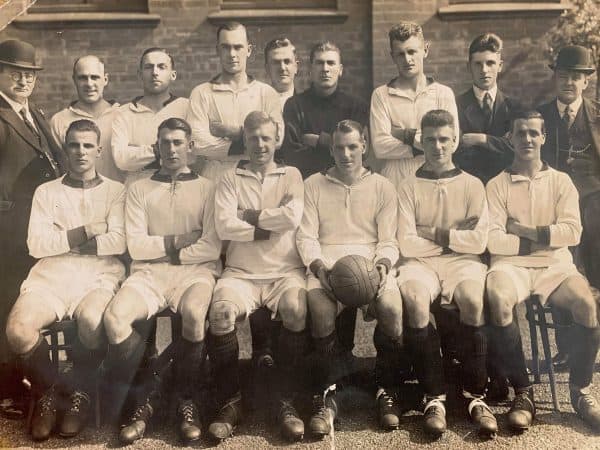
16 53
574 57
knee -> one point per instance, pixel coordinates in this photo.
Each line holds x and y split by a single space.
221 317
471 308
417 302
389 313
585 310
21 334
292 309
500 302
194 313
323 311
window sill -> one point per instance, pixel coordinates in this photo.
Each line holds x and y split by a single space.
74 20
276 16
499 10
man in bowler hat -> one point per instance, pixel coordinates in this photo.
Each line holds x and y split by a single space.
28 157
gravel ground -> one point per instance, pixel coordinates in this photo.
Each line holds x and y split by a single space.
358 426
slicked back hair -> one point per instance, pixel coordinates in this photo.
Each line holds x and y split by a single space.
83 125
230 26
526 114
175 123
256 119
348 126
160 50
280 42
403 31
324 46
486 42
87 56
437 118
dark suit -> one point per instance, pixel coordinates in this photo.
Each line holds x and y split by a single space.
26 161
585 172
487 161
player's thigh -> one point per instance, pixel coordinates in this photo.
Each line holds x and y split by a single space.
574 295
323 309
288 297
505 286
28 316
90 310
126 307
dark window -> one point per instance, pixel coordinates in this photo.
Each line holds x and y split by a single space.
92 6
278 4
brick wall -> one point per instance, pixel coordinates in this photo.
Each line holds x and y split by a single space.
525 76
184 29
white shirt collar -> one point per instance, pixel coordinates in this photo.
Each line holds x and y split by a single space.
574 106
16 106
480 93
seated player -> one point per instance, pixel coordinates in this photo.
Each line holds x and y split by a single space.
175 251
534 218
76 229
349 210
442 230
258 207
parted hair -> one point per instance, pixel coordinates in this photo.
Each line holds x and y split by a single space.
486 42
526 114
230 26
324 46
348 126
83 125
404 31
256 119
175 123
437 118
157 49
280 42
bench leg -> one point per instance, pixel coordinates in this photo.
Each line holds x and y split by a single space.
535 357
548 358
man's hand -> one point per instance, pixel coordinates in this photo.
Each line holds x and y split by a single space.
285 200
383 274
95 229
473 139
187 239
515 227
468 224
406 135
323 276
219 129
426 232
310 139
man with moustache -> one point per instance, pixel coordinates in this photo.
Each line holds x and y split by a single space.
135 124
218 107
90 80
28 157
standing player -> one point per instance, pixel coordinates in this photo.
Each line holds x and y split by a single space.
311 117
258 207
442 231
281 64
135 124
90 80
218 107
28 157
534 215
484 113
175 250
350 210
398 106
77 230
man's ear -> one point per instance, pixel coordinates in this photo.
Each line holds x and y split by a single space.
173 75
250 49
99 151
425 49
341 69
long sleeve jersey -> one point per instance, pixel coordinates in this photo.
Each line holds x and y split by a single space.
215 101
134 130
266 249
105 165
341 220
549 201
441 202
61 208
393 107
159 208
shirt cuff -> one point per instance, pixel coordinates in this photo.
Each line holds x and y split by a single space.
315 266
442 237
324 141
524 247
251 216
261 235
76 236
385 262
171 251
89 247
409 136
543 235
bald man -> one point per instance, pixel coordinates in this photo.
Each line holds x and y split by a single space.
90 79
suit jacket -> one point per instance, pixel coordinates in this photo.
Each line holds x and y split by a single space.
552 120
487 161
26 161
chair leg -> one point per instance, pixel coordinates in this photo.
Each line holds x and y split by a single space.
548 357
535 357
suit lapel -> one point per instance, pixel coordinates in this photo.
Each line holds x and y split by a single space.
473 112
10 116
592 118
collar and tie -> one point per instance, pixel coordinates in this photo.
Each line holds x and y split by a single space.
486 106
567 117
30 125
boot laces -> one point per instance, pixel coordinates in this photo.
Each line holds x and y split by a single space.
188 411
286 409
142 412
387 400
46 403
523 402
77 398
587 401
319 405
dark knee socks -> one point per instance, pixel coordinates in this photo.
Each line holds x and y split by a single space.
261 330
423 345
390 360
85 365
473 353
124 359
508 349
582 354
293 346
39 369
223 352
346 327
188 364
327 350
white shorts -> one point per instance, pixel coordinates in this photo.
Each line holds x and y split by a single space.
250 294
397 170
390 285
542 281
63 281
162 285
441 274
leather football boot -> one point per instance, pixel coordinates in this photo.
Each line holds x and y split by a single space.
434 417
388 411
76 415
323 415
43 420
190 428
482 416
521 414
586 407
290 424
138 422
227 419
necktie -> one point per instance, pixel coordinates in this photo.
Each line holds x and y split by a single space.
567 117
487 107
27 122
